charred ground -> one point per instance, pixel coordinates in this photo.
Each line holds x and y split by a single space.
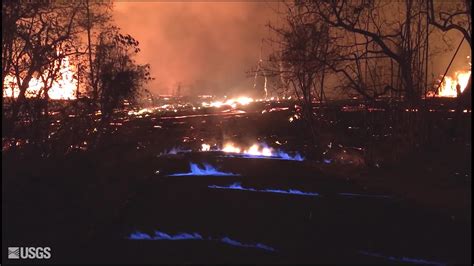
380 196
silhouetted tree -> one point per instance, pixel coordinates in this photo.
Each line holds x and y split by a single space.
372 37
119 77
38 36
451 16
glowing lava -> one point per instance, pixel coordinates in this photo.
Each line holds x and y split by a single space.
233 102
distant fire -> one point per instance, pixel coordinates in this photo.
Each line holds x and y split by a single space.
63 88
448 87
233 102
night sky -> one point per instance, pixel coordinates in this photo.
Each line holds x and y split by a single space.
209 47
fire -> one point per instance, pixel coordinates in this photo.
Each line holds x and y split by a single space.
233 102
448 87
205 147
63 88
229 147
259 151
244 100
254 150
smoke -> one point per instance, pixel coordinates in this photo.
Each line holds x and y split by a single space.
209 47
205 47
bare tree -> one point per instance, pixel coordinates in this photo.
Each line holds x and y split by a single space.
369 34
451 16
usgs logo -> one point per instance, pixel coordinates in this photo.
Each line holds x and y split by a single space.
29 252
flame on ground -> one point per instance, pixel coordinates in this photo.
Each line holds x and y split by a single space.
63 88
164 236
237 186
208 170
195 236
448 87
400 259
260 151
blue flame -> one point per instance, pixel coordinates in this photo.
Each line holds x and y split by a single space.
402 259
239 244
139 236
279 155
175 151
276 154
286 156
195 236
163 236
207 170
182 236
237 186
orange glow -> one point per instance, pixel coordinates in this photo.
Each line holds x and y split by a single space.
63 88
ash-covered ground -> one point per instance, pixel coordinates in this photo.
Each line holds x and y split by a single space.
249 183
